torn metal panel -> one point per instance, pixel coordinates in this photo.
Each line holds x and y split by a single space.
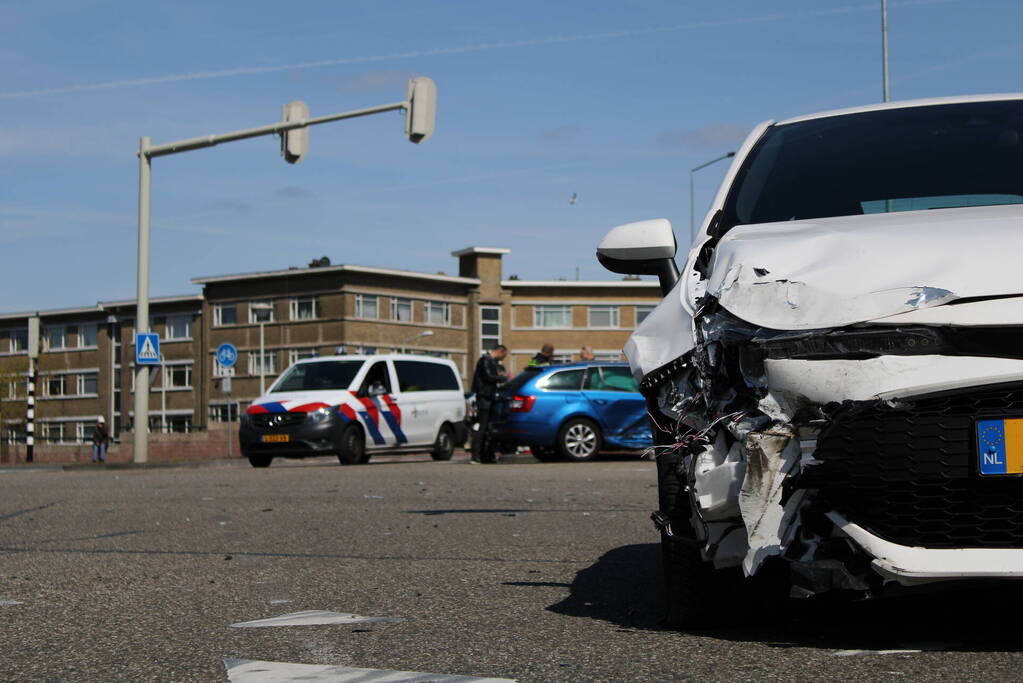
664 335
771 455
889 264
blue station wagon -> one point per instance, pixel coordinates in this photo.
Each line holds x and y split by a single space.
571 411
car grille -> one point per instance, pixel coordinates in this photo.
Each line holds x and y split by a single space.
270 421
910 475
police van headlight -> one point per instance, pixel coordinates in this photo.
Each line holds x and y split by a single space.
321 414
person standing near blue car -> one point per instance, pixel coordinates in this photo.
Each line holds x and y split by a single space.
487 379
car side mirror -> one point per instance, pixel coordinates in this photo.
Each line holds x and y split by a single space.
642 248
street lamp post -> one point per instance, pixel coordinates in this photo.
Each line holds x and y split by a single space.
417 335
260 309
884 50
692 190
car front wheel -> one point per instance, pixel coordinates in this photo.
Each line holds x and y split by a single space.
444 446
260 459
579 440
352 449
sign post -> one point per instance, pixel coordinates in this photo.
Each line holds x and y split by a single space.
227 356
147 353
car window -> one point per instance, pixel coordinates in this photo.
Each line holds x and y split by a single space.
519 380
610 379
319 376
418 375
565 380
377 380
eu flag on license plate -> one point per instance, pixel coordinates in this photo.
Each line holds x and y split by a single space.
1000 446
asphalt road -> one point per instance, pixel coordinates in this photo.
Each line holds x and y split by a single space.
519 570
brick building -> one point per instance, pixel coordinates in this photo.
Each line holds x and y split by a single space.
86 363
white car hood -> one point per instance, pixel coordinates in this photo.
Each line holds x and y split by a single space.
833 272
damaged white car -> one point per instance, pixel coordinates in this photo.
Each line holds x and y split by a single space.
836 375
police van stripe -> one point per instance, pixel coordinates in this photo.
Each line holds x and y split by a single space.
392 421
371 427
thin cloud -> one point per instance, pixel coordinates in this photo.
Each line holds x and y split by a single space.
550 40
705 139
373 80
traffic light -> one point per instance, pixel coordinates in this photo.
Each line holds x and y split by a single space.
295 142
421 109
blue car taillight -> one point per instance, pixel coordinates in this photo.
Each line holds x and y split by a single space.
521 404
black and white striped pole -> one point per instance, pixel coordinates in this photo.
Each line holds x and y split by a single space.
30 408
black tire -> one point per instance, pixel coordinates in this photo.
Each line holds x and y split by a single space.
260 459
444 445
579 440
352 449
543 453
689 582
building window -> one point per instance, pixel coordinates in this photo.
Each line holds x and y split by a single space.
401 310
14 341
264 311
225 314
178 376
603 316
56 385
490 327
366 306
179 424
54 338
269 363
305 308
87 336
178 327
438 313
224 412
87 383
552 316
295 355
642 311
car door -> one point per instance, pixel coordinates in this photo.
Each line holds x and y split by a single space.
380 413
425 391
561 397
615 399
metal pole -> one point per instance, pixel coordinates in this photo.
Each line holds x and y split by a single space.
163 396
229 425
141 426
30 412
262 360
884 48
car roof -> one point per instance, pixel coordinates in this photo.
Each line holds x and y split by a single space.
376 356
905 104
579 364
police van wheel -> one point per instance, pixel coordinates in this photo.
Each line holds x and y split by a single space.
352 449
260 459
444 446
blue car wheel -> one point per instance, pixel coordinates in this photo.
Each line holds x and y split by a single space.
579 440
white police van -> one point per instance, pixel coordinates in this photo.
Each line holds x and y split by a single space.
354 406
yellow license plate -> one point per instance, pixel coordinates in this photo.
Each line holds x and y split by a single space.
275 438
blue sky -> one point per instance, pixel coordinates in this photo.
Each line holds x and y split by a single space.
537 100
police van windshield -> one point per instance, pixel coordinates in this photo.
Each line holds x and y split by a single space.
318 376
918 158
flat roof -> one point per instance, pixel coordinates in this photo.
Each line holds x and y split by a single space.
154 300
630 284
300 272
51 312
904 104
481 250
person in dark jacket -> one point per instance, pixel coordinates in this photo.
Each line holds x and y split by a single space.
489 376
100 440
544 357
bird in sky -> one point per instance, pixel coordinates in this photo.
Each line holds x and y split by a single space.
572 199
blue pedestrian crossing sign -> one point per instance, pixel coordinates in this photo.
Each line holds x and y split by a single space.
227 355
147 348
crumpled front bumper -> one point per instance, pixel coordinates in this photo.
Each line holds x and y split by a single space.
910 565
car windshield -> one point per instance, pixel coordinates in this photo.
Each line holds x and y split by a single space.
933 157
318 376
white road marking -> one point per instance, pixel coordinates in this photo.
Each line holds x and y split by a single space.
312 618
8 603
254 671
279 602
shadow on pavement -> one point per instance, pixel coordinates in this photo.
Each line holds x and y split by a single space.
624 587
